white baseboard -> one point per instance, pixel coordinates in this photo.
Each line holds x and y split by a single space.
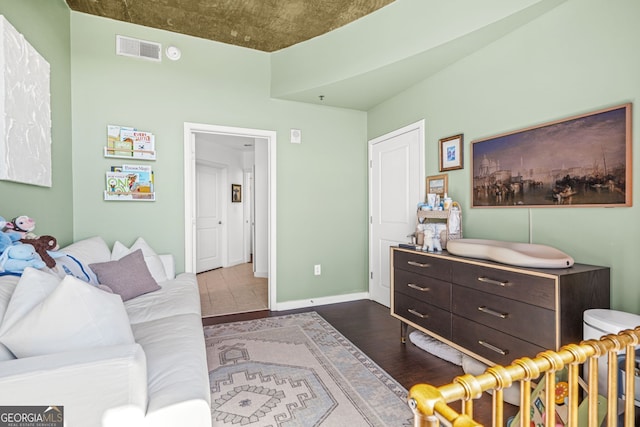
234 263
264 275
313 302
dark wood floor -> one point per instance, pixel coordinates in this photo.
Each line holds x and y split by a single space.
370 327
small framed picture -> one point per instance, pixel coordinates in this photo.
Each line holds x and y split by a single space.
451 153
236 193
437 184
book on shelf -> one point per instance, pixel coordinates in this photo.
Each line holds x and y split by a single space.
142 143
115 145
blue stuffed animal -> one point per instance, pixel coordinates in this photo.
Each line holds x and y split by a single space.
16 258
7 238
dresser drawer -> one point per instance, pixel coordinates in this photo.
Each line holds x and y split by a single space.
425 315
510 284
526 321
422 264
423 288
489 343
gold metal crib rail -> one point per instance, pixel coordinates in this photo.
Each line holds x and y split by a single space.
430 404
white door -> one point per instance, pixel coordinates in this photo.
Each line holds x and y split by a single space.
209 217
396 185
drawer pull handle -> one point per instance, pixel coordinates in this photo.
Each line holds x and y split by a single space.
493 347
418 288
492 312
415 313
492 281
418 264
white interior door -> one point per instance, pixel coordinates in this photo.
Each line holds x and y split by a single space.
396 185
209 217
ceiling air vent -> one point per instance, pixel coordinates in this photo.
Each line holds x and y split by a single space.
128 46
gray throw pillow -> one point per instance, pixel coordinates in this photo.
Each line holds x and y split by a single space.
128 277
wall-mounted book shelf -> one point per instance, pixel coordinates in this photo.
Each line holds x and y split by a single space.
129 143
129 154
130 183
129 196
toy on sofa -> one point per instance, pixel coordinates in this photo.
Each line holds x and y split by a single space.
21 224
45 247
16 258
8 238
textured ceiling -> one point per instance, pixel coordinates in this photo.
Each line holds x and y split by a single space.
266 25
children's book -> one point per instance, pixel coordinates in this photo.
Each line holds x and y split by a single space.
129 182
142 143
115 145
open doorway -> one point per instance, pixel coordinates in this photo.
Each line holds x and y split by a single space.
260 176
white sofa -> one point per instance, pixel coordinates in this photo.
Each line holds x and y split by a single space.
159 380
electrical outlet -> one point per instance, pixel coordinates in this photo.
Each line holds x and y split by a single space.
317 270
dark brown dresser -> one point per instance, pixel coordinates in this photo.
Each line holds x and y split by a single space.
493 312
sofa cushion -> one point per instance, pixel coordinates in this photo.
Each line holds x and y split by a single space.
74 316
128 277
151 258
90 250
178 296
176 369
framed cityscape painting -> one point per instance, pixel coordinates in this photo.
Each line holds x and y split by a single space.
580 161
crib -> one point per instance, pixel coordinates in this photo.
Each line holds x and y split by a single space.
582 406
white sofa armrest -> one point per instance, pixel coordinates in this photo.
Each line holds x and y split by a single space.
169 265
93 385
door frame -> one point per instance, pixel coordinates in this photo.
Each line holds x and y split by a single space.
190 129
420 127
247 217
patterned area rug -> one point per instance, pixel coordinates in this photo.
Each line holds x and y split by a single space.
297 370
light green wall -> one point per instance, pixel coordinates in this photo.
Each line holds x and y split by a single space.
579 57
45 24
321 183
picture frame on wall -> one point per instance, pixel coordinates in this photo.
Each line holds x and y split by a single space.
451 149
437 184
236 193
579 161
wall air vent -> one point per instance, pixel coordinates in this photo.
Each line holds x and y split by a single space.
128 46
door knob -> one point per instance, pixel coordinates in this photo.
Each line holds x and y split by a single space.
219 222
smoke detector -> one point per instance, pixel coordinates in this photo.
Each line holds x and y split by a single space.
173 53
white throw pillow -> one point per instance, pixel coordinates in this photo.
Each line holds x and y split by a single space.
32 288
8 284
89 251
151 258
74 316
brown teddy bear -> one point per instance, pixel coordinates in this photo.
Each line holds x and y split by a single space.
42 244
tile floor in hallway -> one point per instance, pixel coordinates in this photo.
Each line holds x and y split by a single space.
232 290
